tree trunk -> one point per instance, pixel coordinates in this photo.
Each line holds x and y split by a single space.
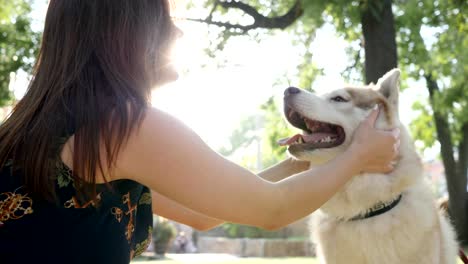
463 174
455 172
379 39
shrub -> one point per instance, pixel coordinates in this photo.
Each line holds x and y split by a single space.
163 233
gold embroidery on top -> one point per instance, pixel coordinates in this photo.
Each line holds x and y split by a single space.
14 206
118 213
73 202
130 229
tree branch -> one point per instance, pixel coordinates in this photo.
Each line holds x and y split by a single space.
242 6
213 9
260 21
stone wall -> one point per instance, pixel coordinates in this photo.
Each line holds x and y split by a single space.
249 247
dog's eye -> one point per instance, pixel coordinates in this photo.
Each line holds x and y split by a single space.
338 99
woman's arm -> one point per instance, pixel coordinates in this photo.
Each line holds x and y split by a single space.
172 160
170 209
284 169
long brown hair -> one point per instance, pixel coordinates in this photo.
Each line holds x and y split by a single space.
97 63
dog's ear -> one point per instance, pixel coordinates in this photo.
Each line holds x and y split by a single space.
389 86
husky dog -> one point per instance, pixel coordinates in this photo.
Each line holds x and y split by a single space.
375 218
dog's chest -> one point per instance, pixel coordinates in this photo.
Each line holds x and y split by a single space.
393 237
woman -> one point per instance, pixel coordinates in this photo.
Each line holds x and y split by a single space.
84 156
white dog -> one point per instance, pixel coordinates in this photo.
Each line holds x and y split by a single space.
375 218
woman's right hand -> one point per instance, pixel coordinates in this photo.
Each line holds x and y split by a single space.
376 149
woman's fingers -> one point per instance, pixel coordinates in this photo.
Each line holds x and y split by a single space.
378 148
396 133
370 120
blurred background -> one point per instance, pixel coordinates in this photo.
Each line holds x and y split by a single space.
236 58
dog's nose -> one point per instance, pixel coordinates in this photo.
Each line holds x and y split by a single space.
291 90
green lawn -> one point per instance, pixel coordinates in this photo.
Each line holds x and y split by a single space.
197 260
241 261
298 260
246 261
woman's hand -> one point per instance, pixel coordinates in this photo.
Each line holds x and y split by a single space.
376 149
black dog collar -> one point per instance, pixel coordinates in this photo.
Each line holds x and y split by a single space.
378 209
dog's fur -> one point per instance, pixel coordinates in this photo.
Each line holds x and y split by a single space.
414 231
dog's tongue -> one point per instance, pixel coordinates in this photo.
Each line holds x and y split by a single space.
309 138
288 141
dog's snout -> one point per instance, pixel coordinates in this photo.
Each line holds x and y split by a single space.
291 90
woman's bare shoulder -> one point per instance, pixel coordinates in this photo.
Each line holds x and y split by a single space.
158 141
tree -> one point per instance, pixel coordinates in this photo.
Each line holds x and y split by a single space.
442 64
370 26
18 43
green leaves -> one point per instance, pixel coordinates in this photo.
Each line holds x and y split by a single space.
423 128
18 43
432 40
244 135
275 128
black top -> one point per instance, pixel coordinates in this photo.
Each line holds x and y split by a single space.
114 229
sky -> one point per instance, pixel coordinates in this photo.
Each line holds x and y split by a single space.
213 100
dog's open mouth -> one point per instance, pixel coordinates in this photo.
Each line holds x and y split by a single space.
316 134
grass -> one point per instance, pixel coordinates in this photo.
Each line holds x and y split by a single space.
247 261
299 260
292 260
